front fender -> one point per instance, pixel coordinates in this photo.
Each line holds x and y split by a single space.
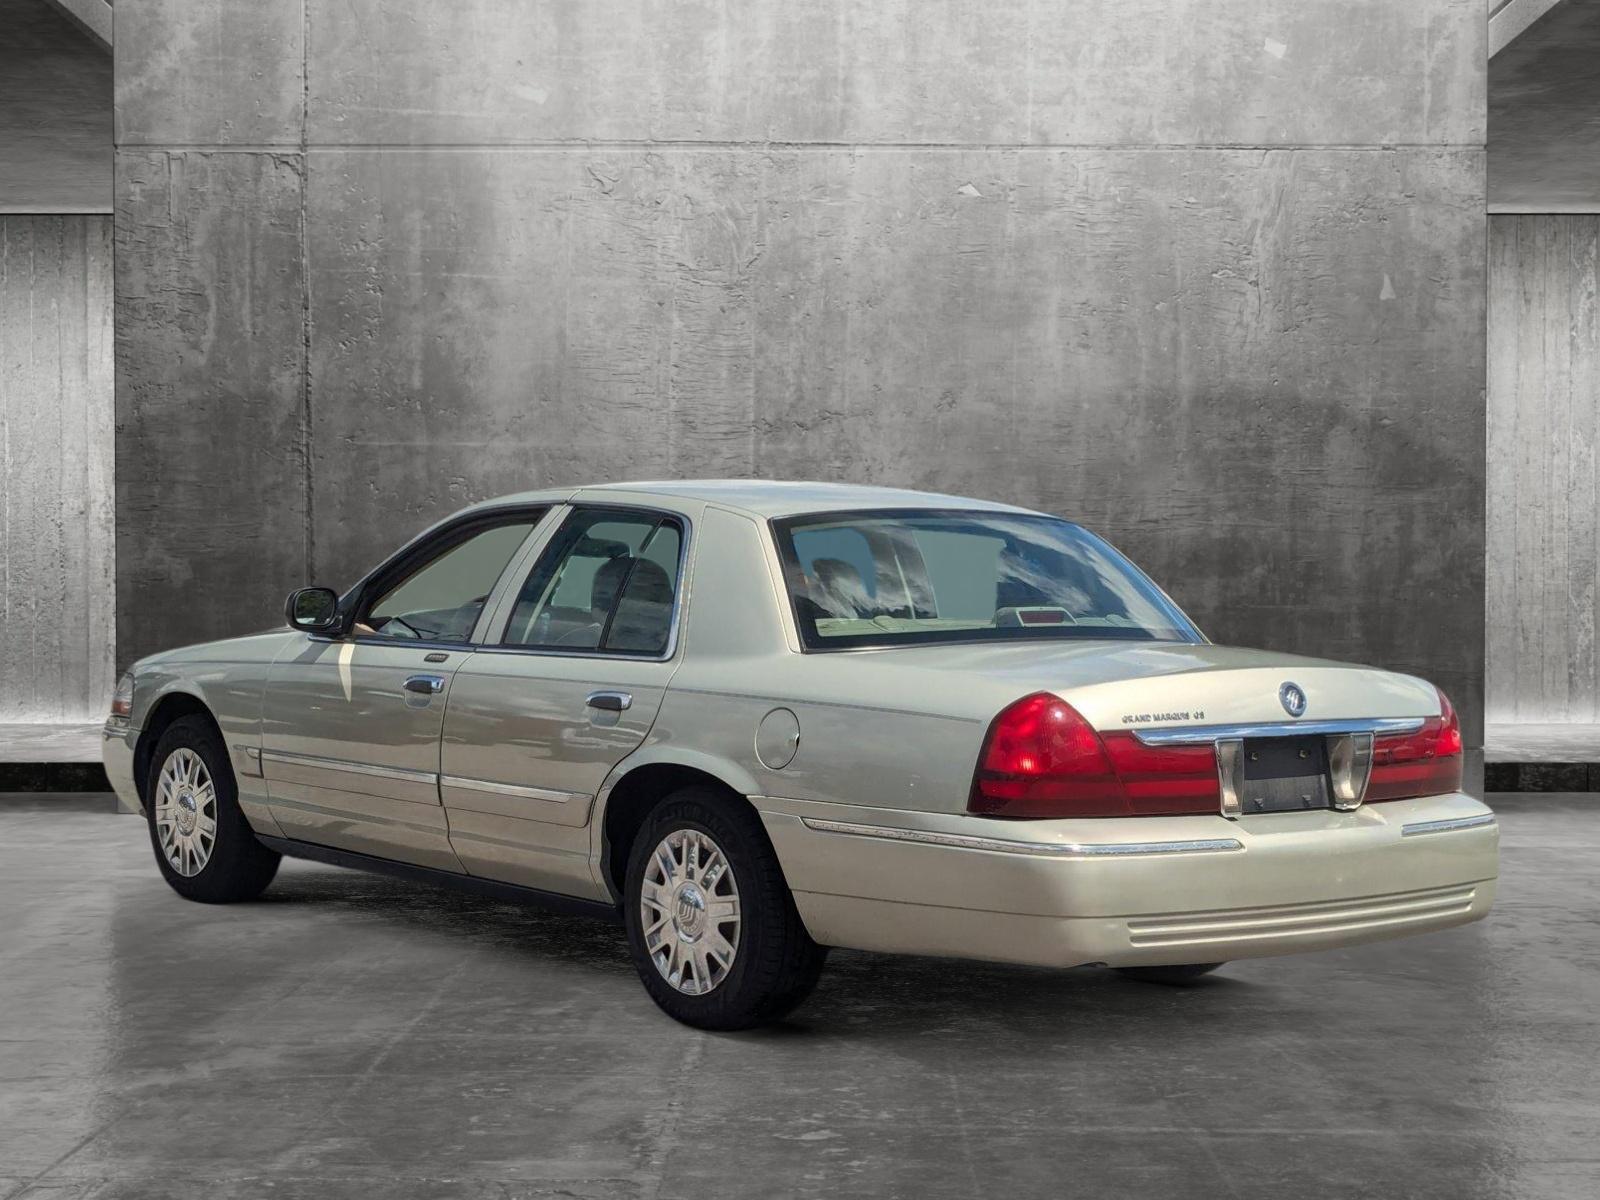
227 679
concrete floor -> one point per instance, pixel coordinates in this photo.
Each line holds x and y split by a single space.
357 1036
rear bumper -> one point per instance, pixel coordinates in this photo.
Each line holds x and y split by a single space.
1136 891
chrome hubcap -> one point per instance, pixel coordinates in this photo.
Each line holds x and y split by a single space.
186 812
689 906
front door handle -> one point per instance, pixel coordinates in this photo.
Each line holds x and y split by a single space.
426 685
610 701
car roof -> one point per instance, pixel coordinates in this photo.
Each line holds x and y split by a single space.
764 497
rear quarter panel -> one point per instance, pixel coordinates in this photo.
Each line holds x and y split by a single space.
871 732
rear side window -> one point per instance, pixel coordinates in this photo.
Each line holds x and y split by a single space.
606 584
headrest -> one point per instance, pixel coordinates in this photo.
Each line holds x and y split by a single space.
836 572
607 580
649 582
840 589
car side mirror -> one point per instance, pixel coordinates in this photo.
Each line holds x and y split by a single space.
313 609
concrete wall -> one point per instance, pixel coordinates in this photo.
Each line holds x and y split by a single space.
1544 538
56 527
1209 277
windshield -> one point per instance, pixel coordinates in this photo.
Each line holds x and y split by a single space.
898 578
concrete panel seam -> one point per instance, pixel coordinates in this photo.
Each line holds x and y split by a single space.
55 210
1545 210
599 146
305 294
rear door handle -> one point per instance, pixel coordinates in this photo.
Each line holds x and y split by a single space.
426 685
610 701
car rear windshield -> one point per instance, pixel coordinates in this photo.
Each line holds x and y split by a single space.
863 579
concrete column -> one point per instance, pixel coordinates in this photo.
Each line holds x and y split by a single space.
1544 417
56 529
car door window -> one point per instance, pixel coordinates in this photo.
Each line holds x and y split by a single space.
606 584
440 601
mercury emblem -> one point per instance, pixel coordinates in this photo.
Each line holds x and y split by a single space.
1293 699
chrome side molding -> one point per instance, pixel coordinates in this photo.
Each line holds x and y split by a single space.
1200 735
962 841
349 768
517 790
1417 828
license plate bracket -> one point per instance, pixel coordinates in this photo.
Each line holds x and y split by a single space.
1285 774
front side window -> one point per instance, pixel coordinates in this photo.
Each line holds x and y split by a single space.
605 584
897 578
440 600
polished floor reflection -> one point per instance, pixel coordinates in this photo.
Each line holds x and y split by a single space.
358 1036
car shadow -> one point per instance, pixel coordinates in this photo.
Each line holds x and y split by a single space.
860 994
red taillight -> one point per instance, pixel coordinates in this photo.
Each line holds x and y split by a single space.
1042 759
1450 728
1424 763
1165 780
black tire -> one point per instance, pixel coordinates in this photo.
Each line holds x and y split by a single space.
1173 976
775 963
239 867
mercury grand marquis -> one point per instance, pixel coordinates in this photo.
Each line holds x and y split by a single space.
753 721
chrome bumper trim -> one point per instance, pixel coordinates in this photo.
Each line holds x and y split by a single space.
1035 849
1427 906
349 768
1200 735
1445 826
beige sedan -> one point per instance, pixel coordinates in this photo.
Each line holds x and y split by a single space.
756 720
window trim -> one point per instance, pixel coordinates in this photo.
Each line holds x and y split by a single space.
495 642
780 534
417 553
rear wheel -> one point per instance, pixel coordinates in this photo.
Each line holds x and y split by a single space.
1172 975
203 844
713 928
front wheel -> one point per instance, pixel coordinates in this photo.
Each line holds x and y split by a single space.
1172 976
711 923
203 844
